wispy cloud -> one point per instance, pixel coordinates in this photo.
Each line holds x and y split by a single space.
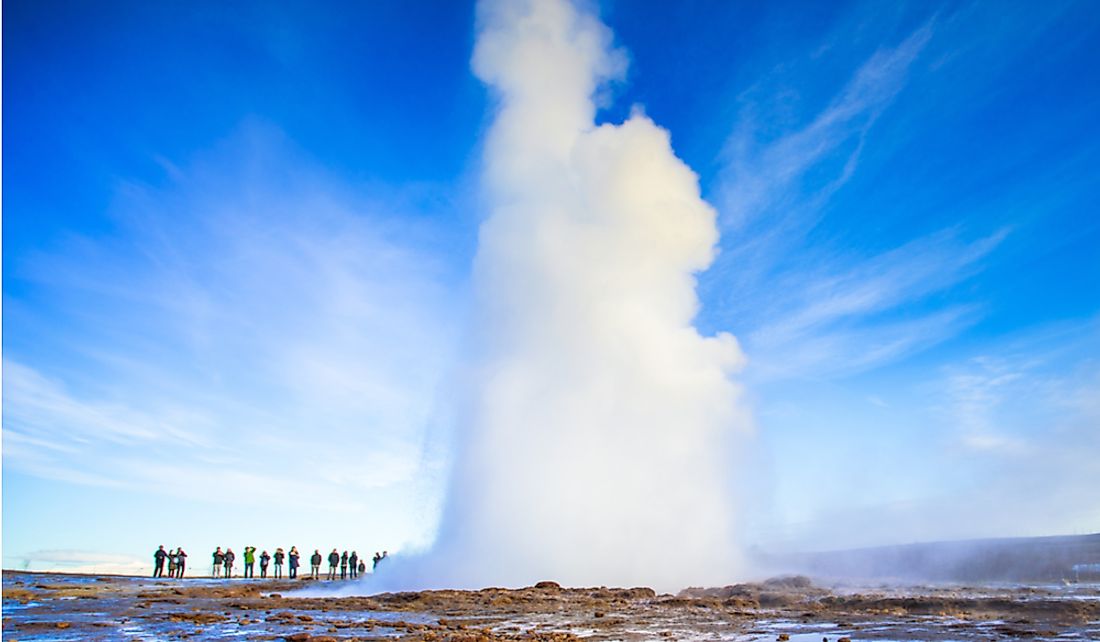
1001 442
843 315
814 310
761 177
241 319
1030 397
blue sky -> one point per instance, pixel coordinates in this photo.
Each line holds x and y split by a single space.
237 248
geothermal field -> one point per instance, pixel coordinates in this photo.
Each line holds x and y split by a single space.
632 333
83 607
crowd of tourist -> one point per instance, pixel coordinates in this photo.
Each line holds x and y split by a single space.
349 565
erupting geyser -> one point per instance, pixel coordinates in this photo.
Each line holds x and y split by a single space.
595 445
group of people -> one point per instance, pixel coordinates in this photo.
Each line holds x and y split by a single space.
349 564
177 562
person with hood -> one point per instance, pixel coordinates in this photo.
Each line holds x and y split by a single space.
292 562
230 557
264 559
250 561
353 564
315 564
333 562
279 557
181 562
158 561
219 560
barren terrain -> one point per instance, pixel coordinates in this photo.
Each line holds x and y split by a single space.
72 607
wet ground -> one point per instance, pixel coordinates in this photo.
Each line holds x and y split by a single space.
71 607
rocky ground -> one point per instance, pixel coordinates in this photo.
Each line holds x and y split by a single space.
69 607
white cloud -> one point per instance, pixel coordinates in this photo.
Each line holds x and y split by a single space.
810 311
249 317
758 178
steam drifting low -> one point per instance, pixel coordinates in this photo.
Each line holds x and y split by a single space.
595 443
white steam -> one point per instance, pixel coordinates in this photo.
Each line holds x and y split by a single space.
595 447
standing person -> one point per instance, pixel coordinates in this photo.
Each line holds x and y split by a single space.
158 561
353 563
279 557
362 566
181 562
292 559
333 562
315 564
344 566
250 561
377 558
219 560
264 559
171 563
230 557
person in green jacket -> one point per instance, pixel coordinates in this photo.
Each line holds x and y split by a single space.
249 561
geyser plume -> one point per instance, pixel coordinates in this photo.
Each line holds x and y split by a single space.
595 446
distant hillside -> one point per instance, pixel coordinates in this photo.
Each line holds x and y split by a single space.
1071 557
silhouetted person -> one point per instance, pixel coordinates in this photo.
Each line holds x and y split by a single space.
279 557
315 564
181 562
353 564
230 557
377 558
250 561
264 559
344 566
158 561
219 561
171 563
333 562
292 562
